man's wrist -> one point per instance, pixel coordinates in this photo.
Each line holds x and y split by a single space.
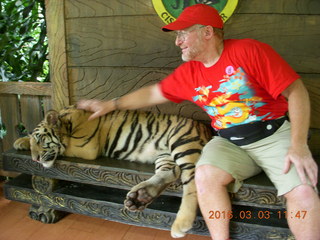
115 103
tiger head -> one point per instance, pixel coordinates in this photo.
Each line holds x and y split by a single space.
45 140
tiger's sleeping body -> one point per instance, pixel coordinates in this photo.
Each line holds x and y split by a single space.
172 143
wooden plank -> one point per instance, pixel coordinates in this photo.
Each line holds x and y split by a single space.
279 6
119 41
29 88
314 142
1 156
9 108
107 82
85 8
47 104
31 111
312 83
57 52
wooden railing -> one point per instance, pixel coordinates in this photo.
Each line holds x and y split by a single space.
22 103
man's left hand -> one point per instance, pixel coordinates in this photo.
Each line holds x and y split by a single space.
306 166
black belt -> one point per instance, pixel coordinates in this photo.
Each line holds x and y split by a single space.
251 132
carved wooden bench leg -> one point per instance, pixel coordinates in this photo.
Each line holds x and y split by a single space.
44 185
44 214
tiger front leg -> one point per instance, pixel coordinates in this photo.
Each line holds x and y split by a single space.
22 143
141 195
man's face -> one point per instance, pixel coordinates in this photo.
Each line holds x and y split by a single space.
190 42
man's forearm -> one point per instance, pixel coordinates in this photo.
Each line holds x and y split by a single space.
299 112
299 153
144 97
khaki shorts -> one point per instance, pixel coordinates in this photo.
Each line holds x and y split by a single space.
246 161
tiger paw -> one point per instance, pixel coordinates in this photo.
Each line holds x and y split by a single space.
185 218
138 200
22 143
180 228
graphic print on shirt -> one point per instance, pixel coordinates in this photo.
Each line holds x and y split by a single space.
233 103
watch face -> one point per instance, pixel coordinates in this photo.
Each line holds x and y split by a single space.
169 10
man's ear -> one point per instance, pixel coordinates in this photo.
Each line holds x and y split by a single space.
209 32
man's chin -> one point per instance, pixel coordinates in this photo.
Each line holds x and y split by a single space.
185 58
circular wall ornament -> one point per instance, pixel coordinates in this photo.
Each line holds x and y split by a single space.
169 10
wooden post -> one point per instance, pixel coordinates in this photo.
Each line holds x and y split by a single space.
56 32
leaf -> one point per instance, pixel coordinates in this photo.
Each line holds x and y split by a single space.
23 41
26 11
28 39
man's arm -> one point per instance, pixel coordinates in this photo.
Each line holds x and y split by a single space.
299 153
144 97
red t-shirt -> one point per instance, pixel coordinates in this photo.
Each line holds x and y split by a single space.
244 86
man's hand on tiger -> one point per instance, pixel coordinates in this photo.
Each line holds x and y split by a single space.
97 107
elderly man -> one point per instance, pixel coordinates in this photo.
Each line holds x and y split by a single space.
247 89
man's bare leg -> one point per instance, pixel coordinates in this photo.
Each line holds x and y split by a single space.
303 213
214 200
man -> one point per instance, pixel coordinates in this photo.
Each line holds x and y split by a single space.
247 89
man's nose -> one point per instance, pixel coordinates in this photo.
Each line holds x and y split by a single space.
178 41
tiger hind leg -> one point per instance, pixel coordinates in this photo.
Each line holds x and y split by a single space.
141 195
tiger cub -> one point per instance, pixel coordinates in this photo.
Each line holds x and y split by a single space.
172 143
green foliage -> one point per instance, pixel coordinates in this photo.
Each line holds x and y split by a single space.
23 41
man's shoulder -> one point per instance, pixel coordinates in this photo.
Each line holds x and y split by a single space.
189 65
245 46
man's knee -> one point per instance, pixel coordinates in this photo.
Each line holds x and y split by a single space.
208 175
304 194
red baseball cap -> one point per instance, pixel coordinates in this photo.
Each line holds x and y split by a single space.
196 14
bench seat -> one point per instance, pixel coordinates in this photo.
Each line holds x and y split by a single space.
98 189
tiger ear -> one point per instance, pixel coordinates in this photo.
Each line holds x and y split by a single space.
52 118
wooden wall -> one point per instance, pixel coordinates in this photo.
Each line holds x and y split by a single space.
104 49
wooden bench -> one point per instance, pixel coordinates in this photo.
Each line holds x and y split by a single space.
98 189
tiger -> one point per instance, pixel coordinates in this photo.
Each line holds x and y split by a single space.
172 143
